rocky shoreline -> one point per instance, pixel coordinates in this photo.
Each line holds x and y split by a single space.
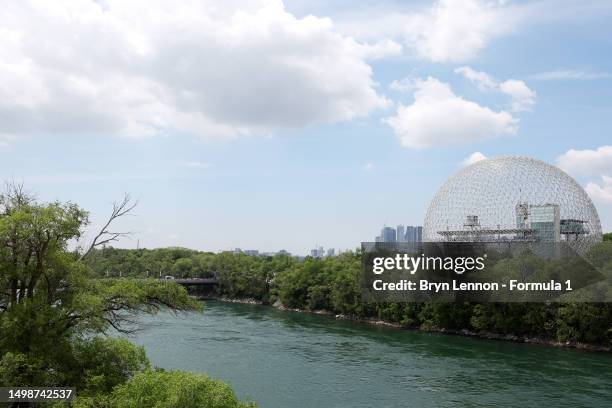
246 301
468 333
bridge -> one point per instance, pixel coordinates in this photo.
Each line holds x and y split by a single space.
195 281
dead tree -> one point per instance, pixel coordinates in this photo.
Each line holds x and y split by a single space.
104 236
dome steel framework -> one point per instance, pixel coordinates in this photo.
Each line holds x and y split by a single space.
512 198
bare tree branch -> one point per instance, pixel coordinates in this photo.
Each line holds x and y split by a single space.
120 209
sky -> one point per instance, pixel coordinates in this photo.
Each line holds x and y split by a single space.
287 125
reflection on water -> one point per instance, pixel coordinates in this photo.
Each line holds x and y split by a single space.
284 359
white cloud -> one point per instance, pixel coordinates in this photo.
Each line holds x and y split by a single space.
601 193
483 80
439 117
568 74
591 162
203 67
587 162
448 31
455 30
458 30
522 98
473 158
369 166
404 85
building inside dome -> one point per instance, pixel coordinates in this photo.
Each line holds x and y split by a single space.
514 199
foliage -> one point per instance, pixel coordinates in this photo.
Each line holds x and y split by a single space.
168 389
54 309
240 275
333 284
102 363
584 322
93 366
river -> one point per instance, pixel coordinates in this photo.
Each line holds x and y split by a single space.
296 360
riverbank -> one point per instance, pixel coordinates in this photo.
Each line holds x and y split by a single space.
464 332
288 360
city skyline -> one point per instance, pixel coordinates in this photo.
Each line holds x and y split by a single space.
402 233
353 120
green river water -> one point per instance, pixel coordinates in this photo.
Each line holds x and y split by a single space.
297 360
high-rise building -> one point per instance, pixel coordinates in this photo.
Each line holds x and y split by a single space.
317 252
414 233
400 233
418 233
331 252
409 235
388 234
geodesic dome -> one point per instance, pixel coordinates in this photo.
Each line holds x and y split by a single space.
512 198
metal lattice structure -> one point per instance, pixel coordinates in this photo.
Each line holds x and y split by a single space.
512 198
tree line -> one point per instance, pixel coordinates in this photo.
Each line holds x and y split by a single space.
333 284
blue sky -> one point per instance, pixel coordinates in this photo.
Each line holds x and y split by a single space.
265 125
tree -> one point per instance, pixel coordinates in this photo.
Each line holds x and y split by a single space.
183 268
94 366
102 363
105 236
52 306
169 389
33 240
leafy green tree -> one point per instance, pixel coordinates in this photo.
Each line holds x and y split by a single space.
102 363
168 389
183 268
585 322
52 306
